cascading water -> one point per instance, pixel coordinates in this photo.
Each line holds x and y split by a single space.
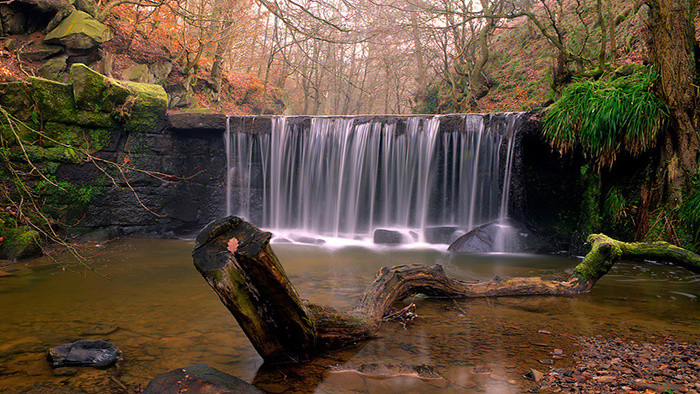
345 177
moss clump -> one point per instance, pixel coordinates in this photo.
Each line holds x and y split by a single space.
18 242
92 139
65 201
93 119
10 132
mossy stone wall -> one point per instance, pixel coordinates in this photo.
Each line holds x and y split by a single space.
52 125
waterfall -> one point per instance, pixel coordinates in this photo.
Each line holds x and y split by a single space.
345 177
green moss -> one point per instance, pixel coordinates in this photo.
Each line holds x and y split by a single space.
589 219
20 243
16 98
94 119
145 107
605 251
11 132
114 95
67 201
88 86
54 99
81 138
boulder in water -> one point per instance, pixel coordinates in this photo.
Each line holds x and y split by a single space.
387 237
441 234
308 240
198 378
505 236
96 353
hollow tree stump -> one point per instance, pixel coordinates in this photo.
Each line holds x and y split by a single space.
237 261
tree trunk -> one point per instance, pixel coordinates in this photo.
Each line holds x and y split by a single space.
238 263
671 41
222 47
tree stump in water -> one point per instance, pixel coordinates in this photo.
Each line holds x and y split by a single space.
237 261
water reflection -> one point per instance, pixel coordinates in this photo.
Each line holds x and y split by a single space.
163 315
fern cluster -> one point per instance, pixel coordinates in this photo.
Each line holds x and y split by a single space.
606 117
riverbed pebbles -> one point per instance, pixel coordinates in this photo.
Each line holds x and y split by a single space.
614 365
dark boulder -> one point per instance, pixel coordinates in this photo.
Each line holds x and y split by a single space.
441 234
388 237
90 353
504 236
39 51
199 378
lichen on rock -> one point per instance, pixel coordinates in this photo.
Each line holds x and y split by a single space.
80 31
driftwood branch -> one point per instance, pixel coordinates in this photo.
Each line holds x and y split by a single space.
238 263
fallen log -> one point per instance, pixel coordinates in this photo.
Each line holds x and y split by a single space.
237 261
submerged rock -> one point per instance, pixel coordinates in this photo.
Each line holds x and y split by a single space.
95 353
308 240
198 379
506 235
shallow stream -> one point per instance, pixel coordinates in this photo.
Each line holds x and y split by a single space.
148 299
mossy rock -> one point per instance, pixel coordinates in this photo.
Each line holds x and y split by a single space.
80 31
114 95
53 69
88 86
20 243
10 133
145 108
16 98
55 99
138 73
95 101
94 119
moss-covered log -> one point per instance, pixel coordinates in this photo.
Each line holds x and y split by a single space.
605 252
236 260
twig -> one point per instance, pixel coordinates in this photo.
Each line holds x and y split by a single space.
19 61
117 381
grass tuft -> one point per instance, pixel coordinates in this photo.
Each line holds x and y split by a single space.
606 117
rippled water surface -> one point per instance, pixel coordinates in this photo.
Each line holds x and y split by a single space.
149 300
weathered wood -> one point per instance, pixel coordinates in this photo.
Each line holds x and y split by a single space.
397 283
236 260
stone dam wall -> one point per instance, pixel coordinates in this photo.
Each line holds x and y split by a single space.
163 174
